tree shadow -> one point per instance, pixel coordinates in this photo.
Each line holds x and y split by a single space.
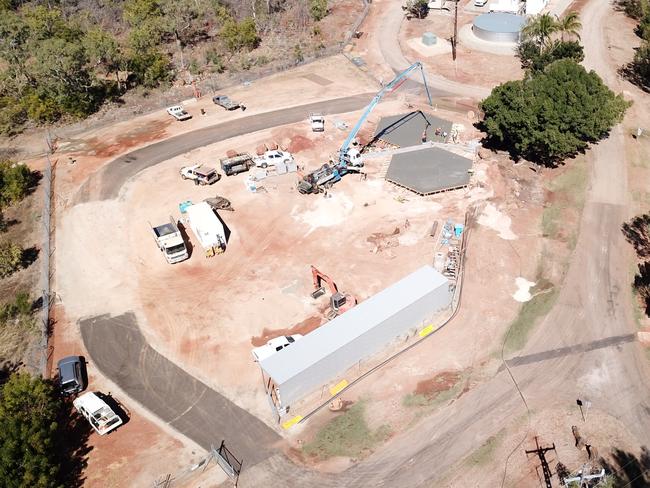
630 73
5 224
628 470
29 256
74 431
7 368
637 233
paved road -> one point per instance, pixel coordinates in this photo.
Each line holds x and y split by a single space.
118 171
122 354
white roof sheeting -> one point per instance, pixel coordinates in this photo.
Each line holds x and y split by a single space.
414 290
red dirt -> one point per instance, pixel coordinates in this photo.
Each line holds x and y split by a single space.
441 382
153 131
300 143
304 327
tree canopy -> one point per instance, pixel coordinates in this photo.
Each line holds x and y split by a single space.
551 115
28 435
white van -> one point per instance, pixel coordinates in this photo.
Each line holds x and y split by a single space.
98 413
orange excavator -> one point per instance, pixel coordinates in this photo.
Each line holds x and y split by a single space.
340 302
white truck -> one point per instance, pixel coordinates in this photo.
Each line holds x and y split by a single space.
200 174
273 346
317 122
170 241
97 412
178 112
207 228
272 158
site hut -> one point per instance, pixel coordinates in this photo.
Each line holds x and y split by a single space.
326 353
207 228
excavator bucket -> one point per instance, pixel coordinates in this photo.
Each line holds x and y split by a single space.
319 292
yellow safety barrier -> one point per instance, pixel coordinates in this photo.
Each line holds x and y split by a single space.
291 422
426 331
338 387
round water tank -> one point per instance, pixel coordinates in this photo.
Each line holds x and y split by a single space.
498 27
429 39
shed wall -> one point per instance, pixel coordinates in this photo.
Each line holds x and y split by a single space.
365 345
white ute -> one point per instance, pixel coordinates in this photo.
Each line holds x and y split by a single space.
202 175
317 122
273 346
178 112
97 412
170 242
271 158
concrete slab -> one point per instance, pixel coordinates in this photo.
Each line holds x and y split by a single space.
430 170
408 129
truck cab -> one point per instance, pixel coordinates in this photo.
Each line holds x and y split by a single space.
317 122
170 242
97 412
202 175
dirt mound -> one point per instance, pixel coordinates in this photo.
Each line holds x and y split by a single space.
441 382
304 327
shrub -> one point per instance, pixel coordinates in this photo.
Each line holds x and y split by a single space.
318 9
240 35
10 258
417 8
15 182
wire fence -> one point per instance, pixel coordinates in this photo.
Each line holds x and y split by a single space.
46 271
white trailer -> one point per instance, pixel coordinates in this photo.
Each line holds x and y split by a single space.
207 228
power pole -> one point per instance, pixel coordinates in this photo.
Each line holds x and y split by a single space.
454 39
541 453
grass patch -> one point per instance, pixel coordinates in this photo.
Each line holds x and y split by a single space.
484 454
347 435
568 190
529 314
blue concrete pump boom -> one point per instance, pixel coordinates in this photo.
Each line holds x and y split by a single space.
389 88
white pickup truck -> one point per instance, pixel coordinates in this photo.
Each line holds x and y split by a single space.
317 122
271 158
170 242
178 112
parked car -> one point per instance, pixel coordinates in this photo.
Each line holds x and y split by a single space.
178 112
317 122
225 102
273 346
101 417
71 375
202 175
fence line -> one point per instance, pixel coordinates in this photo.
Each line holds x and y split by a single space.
46 252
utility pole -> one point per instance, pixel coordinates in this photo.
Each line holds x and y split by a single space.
454 39
541 453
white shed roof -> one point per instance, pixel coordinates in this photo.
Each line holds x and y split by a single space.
335 334
206 225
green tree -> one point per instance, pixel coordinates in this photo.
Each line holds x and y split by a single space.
150 67
569 24
417 8
641 65
553 114
532 59
240 35
11 256
318 9
15 182
539 29
104 51
185 20
28 437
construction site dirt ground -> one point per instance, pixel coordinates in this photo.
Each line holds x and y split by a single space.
206 314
